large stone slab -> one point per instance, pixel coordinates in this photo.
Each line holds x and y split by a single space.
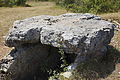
84 35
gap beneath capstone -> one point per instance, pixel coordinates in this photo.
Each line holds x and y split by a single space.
35 61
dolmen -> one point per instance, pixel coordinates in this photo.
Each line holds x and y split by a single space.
40 42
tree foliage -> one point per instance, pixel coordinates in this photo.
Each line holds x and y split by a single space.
10 3
92 6
79 6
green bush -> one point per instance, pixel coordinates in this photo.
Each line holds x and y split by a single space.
91 6
37 0
10 3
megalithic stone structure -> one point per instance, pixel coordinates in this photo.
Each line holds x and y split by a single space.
37 41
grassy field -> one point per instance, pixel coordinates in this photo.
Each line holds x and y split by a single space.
9 15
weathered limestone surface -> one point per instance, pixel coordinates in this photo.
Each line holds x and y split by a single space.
38 38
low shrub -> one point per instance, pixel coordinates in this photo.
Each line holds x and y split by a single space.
91 6
10 3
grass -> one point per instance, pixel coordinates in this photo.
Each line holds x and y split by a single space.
107 69
112 16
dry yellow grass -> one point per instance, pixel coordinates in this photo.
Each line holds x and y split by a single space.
112 16
9 15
